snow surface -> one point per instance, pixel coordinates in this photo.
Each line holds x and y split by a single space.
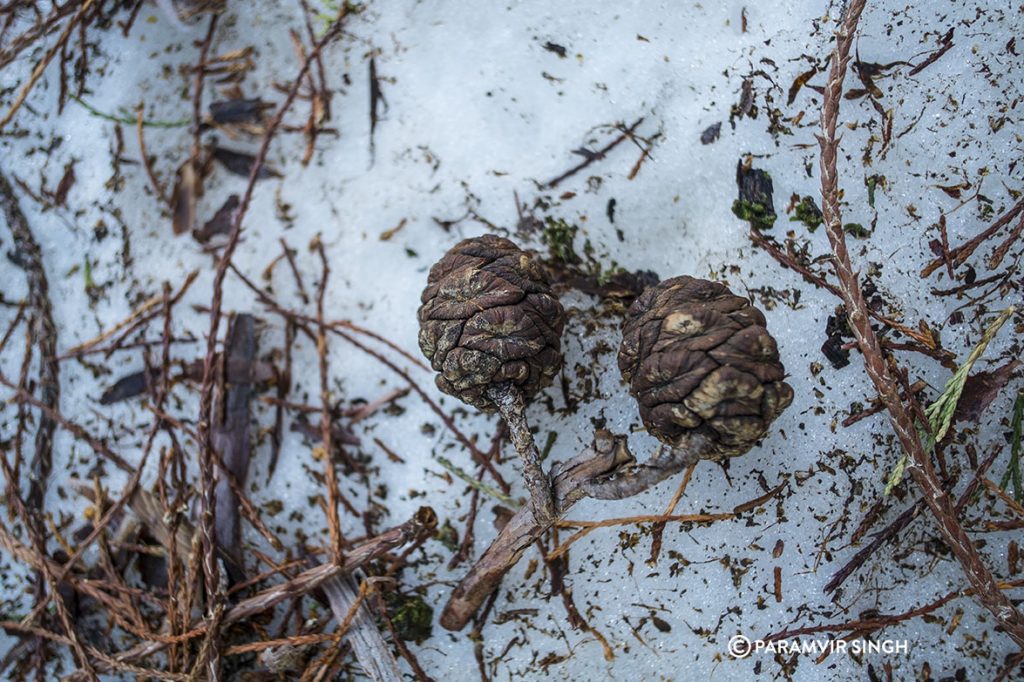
480 112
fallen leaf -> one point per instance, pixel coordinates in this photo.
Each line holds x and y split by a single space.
241 163
186 193
220 223
711 133
130 386
980 389
799 83
60 196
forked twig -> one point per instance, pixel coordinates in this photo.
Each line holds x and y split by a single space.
607 471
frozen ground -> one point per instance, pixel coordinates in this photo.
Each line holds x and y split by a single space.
479 112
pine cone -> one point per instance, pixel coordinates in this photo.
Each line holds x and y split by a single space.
699 358
488 318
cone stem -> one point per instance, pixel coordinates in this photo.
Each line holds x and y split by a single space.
509 401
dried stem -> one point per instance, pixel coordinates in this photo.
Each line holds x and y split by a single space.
42 333
372 652
509 401
606 471
626 134
44 62
937 500
330 476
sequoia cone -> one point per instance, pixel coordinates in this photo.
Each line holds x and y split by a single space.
699 358
488 318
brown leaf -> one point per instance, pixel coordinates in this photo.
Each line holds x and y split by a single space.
134 384
746 102
60 196
187 190
980 390
798 83
241 163
220 223
235 111
954 191
231 435
388 234
339 434
711 133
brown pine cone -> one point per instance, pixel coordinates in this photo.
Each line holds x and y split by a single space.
489 318
699 358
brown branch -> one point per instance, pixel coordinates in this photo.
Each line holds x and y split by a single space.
961 253
146 164
28 37
659 528
330 474
359 628
44 62
301 324
869 624
607 470
509 401
945 44
587 527
935 498
424 521
38 548
627 133
894 529
43 334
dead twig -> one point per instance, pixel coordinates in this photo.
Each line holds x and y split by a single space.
207 501
606 471
44 62
961 253
591 157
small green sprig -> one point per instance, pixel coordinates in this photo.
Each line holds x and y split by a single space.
126 117
479 485
1013 470
940 413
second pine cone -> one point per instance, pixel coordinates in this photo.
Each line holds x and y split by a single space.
699 358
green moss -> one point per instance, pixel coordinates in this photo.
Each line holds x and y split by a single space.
808 213
412 618
872 182
558 236
447 536
856 230
754 201
759 216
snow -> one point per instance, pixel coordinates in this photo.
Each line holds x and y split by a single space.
479 112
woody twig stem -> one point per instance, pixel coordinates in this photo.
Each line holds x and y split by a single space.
983 585
509 401
605 471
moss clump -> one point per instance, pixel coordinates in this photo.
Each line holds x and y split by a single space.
412 618
856 230
759 216
808 213
754 203
558 236
447 536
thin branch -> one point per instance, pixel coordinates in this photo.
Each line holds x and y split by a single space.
44 62
627 133
607 470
